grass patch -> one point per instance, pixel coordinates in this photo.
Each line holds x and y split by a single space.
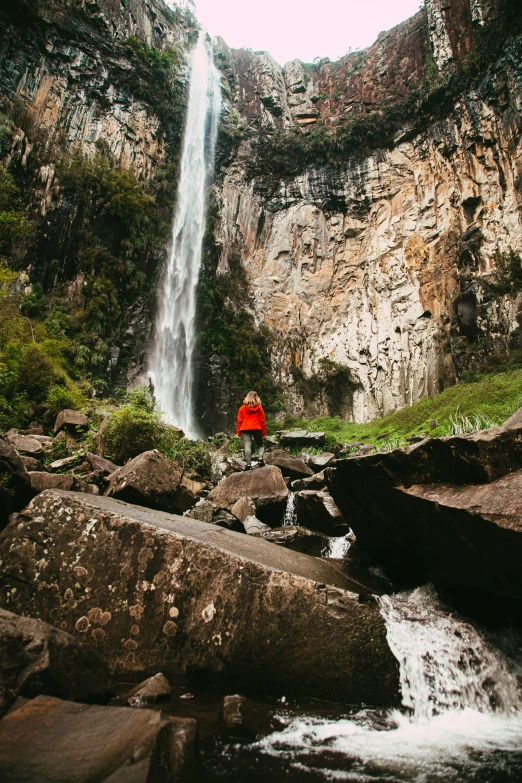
488 401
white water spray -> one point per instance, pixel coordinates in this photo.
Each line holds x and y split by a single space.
171 363
463 716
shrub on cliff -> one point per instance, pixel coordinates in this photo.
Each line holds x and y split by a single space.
132 429
137 427
36 373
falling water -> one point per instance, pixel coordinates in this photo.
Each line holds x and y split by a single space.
171 364
290 517
461 720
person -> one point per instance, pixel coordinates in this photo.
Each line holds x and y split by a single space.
251 425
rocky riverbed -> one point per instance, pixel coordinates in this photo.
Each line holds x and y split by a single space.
262 582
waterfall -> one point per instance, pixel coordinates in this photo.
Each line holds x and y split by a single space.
445 664
290 517
171 363
461 720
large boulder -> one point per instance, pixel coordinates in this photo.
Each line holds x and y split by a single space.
301 438
206 511
51 740
71 421
19 483
299 538
290 466
40 481
151 479
464 537
155 592
465 459
101 465
264 486
36 658
318 511
26 444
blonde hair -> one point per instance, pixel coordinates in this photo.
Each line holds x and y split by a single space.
252 399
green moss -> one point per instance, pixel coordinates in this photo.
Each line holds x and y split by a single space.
495 396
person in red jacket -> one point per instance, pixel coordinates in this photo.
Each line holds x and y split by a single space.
251 425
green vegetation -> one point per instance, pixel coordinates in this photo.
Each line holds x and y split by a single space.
463 408
136 427
285 154
227 327
333 384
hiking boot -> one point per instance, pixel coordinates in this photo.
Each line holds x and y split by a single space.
248 467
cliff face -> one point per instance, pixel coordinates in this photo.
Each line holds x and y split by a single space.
91 90
364 210
388 263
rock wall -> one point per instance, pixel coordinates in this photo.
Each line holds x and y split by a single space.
384 264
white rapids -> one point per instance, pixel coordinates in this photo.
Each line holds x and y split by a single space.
171 363
462 716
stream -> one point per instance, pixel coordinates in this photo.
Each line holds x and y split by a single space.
460 720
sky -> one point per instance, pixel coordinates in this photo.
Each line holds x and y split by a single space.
290 29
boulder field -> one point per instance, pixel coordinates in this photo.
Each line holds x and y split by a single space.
150 592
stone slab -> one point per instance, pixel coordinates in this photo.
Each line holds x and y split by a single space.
152 591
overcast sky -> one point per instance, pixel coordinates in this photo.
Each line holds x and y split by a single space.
300 28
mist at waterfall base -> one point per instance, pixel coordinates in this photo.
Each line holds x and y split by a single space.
171 362
461 720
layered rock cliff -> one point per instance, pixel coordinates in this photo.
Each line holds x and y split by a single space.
365 222
385 261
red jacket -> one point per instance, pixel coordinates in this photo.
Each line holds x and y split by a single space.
251 418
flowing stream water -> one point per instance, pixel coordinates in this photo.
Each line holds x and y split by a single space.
171 363
461 720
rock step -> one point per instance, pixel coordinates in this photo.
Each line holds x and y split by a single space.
53 741
156 592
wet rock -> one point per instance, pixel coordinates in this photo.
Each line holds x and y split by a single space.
36 658
71 421
26 444
206 511
253 526
316 482
149 691
151 479
300 539
153 591
243 508
264 486
32 464
40 481
300 438
100 464
52 740
290 466
241 717
318 511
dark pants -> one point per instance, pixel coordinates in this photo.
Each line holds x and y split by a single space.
247 436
